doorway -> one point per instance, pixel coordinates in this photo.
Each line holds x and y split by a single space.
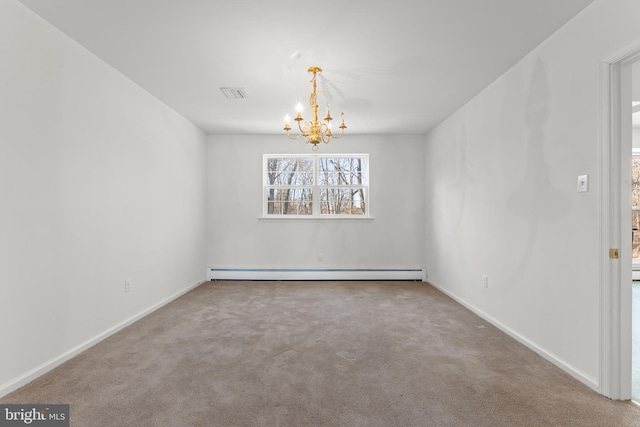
616 377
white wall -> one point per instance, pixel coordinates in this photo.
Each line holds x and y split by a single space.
501 191
99 182
237 238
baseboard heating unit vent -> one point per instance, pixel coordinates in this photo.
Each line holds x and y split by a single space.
418 274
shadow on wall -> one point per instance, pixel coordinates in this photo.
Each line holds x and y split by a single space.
461 179
452 187
535 200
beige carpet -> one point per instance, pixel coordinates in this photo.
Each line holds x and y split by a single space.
318 354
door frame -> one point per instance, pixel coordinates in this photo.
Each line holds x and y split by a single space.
615 224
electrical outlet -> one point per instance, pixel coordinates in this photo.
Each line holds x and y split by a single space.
127 285
485 281
319 257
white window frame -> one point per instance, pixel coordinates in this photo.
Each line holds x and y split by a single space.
316 188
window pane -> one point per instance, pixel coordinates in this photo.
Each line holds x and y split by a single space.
291 171
289 201
635 202
341 171
635 244
342 201
635 181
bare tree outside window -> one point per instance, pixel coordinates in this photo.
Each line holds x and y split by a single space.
289 186
338 184
341 186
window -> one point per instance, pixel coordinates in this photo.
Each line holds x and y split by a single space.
316 185
635 205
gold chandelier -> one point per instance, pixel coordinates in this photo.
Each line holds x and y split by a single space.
314 131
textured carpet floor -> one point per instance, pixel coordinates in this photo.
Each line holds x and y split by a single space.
318 354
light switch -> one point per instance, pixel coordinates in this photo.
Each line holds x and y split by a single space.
583 183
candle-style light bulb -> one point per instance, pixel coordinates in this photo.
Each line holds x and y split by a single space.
299 112
328 117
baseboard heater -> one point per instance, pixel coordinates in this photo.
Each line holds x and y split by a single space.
416 274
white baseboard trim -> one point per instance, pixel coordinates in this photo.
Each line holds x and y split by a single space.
42 369
575 373
418 274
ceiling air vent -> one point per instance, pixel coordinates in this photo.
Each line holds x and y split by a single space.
234 92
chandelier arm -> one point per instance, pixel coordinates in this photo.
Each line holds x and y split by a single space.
338 136
325 133
304 130
293 137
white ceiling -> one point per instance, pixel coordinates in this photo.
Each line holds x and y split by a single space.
397 66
